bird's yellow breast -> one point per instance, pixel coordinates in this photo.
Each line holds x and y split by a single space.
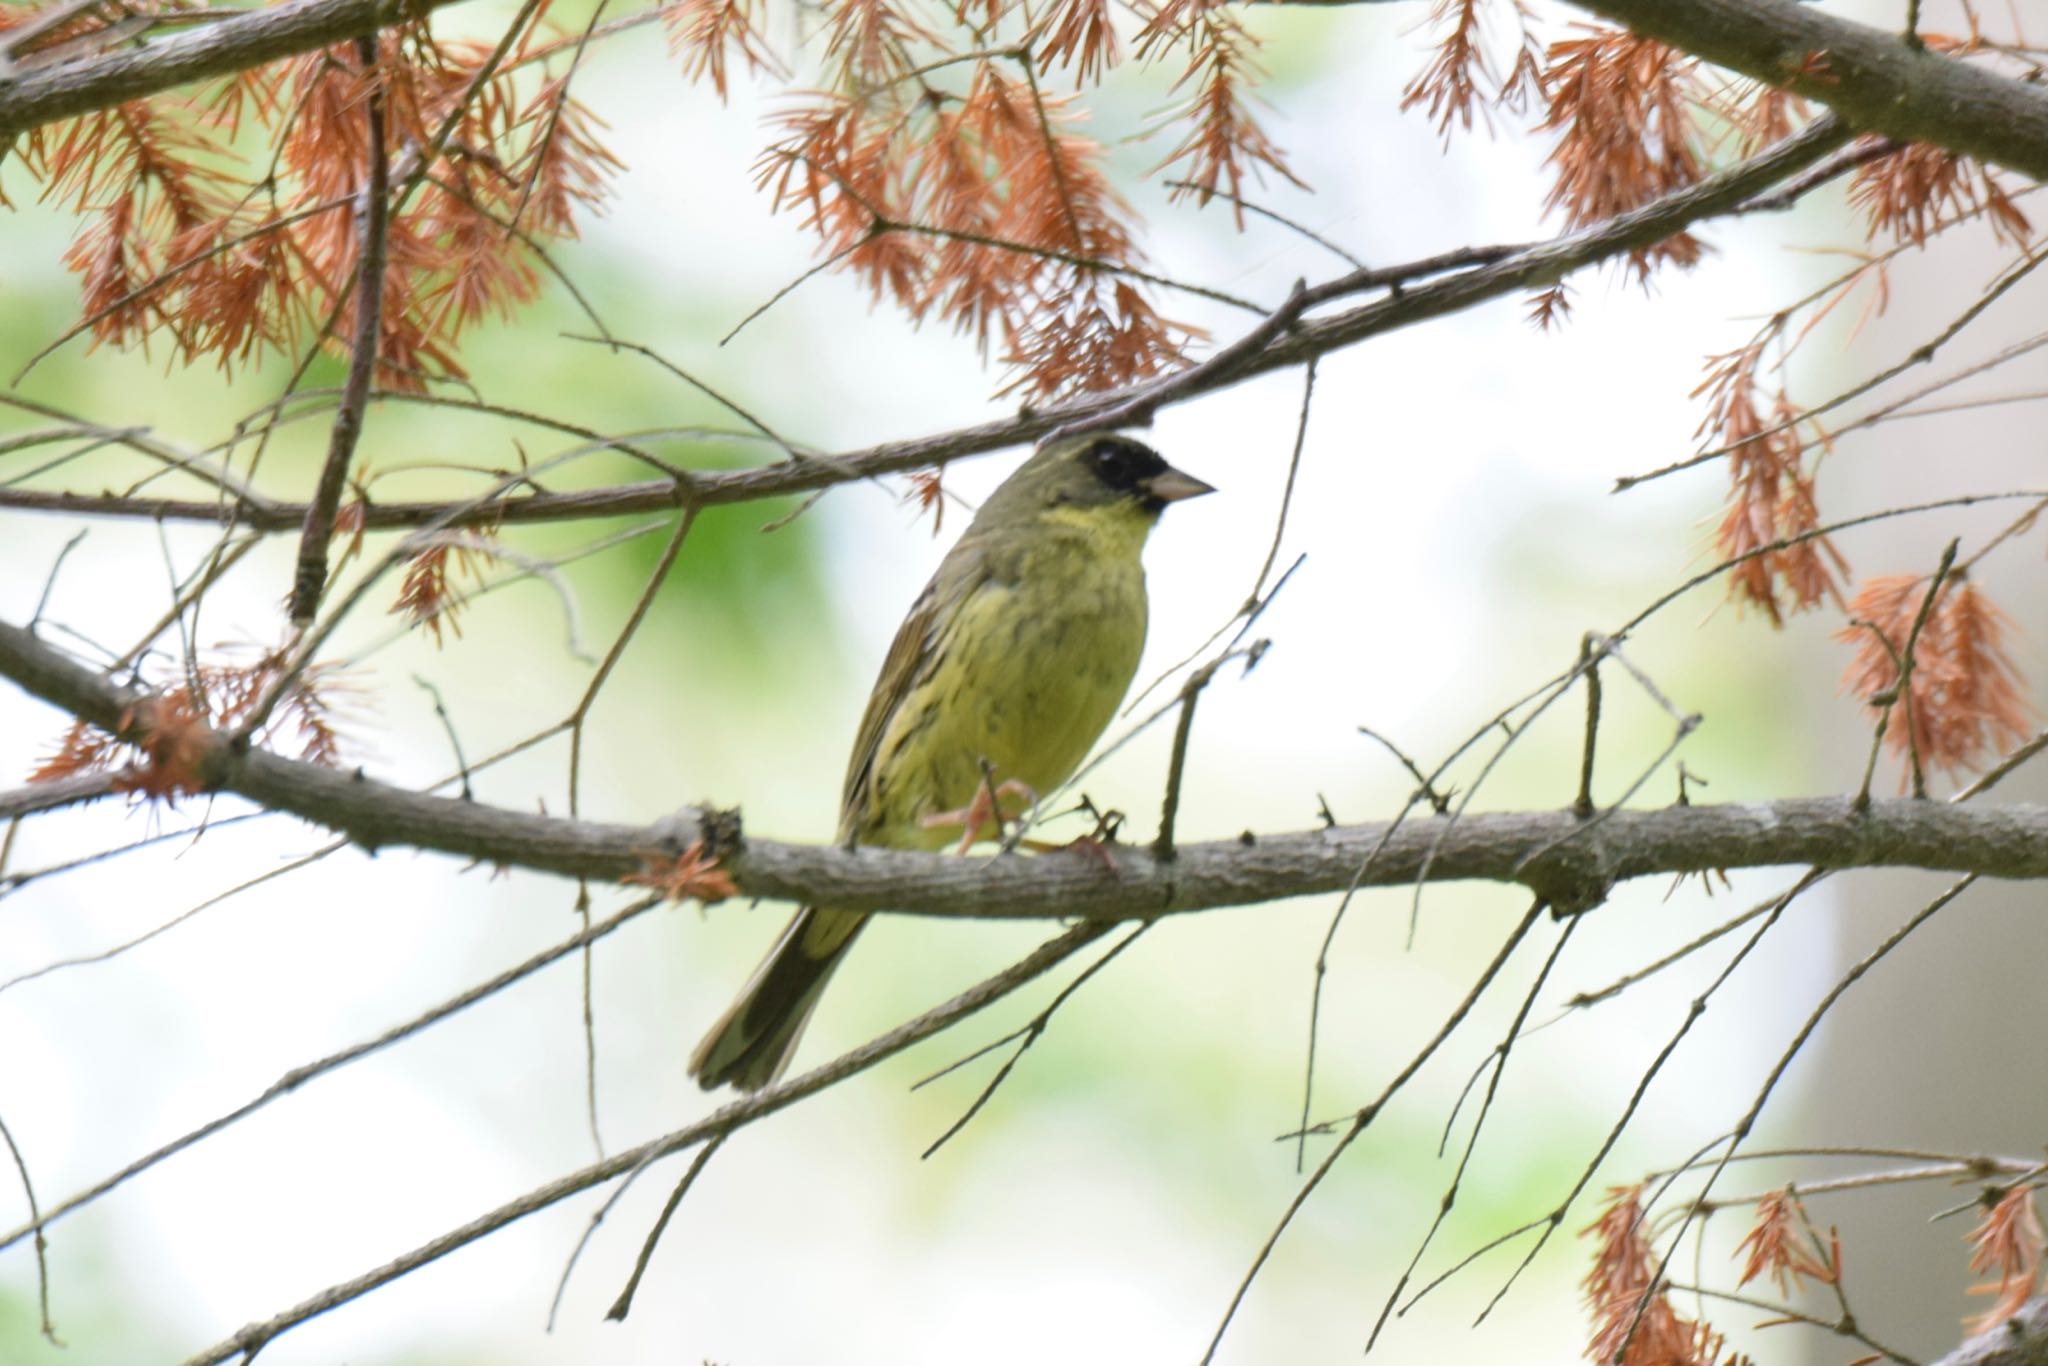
1030 666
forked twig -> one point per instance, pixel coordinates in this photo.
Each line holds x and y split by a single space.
1028 1033
1365 1116
623 1305
251 1339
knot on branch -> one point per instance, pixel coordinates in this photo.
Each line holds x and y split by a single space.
686 859
722 837
713 833
1571 877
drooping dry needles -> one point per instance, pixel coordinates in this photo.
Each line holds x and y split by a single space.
1771 514
431 595
1966 700
1758 115
1634 1323
1223 145
1914 193
1624 108
1552 307
183 239
1080 34
708 34
2007 1243
1463 78
1780 1245
926 154
928 491
992 214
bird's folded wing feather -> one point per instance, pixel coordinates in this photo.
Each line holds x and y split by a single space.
912 659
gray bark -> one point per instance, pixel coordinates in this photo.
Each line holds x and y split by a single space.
1567 859
1877 81
46 94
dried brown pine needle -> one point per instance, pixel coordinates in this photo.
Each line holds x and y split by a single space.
1080 34
1463 78
165 739
430 596
1623 107
178 242
2006 1241
1966 702
993 215
688 876
1634 1323
707 34
1223 147
1914 193
1769 528
1779 1244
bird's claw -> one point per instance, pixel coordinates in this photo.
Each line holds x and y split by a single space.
1101 850
985 816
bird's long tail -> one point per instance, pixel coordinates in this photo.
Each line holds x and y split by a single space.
752 1042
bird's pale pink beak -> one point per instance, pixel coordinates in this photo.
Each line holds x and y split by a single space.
1171 485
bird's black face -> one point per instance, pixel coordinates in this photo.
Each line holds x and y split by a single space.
1113 473
1122 464
1131 469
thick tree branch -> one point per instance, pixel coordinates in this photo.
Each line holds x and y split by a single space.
1875 80
232 44
56 793
1525 268
2021 1340
1560 856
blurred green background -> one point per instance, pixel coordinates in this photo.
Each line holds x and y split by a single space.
1459 536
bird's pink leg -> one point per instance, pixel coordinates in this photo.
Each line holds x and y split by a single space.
984 817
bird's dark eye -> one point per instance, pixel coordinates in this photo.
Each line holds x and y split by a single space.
1123 464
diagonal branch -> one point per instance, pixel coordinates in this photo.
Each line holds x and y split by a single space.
249 38
252 1338
1877 81
1285 339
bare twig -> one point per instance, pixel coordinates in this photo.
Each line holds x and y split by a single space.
1365 1116
1843 1326
1176 767
729 1118
623 1305
1550 1222
311 575
28 1191
52 794
1748 1121
597 1218
1500 1055
1425 787
299 1076
1589 660
1025 1037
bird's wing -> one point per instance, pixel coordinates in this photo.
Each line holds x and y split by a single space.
912 658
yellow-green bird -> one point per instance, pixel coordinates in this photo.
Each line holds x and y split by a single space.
1007 669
